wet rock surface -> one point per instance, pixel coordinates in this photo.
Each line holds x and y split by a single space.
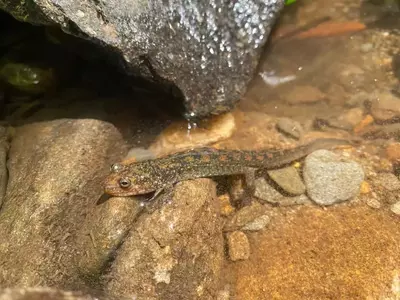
330 178
103 231
211 62
179 247
180 136
61 164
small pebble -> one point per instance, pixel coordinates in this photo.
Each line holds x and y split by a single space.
365 188
385 106
374 203
225 293
244 216
226 208
393 152
366 47
347 120
288 179
357 100
304 94
265 192
395 208
330 178
290 127
388 181
258 223
238 246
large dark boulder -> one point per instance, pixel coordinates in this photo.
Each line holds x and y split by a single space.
208 49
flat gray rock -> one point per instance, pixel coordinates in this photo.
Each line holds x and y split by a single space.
330 178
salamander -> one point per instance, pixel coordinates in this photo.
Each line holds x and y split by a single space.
143 177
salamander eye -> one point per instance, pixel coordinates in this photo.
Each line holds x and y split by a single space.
124 183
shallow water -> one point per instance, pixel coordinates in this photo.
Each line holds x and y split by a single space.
344 252
337 81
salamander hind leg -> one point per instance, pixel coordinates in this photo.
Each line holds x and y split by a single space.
249 186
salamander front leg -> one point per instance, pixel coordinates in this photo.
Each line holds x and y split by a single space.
159 198
157 193
250 177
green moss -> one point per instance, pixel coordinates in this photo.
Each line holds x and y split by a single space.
24 11
27 78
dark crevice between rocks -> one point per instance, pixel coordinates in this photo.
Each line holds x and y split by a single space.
84 79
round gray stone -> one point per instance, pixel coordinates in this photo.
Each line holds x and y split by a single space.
330 178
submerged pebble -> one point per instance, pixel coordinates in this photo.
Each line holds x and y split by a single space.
358 99
385 106
395 208
288 179
373 203
388 181
347 120
258 223
245 216
263 191
238 246
366 47
290 127
393 152
330 178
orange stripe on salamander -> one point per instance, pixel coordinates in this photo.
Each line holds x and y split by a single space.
189 158
205 158
236 156
223 158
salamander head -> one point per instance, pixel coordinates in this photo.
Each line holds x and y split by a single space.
131 180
